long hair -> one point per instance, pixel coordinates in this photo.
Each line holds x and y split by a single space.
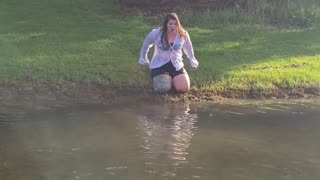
164 32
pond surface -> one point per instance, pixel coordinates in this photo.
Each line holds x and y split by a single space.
143 140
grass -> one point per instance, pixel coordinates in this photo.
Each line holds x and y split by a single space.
74 44
48 43
243 58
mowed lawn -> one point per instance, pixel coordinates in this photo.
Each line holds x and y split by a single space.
97 41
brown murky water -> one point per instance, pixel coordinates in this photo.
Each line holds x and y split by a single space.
142 140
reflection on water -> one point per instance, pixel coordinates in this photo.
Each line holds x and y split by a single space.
161 141
166 135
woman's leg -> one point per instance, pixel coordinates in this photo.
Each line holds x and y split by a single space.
181 82
162 83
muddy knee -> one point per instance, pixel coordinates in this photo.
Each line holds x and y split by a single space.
182 89
162 83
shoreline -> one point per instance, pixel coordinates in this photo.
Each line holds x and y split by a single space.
96 93
239 58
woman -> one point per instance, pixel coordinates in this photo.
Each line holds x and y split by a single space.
166 65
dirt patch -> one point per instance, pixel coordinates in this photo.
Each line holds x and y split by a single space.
71 93
96 93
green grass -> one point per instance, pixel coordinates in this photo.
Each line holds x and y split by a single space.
57 41
82 41
258 62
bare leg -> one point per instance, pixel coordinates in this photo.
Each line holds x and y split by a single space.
181 83
162 83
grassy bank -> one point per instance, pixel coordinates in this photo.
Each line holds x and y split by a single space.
54 43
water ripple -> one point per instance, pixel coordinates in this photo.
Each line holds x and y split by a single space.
10 117
166 138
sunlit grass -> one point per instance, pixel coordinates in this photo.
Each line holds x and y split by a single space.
56 42
271 77
79 44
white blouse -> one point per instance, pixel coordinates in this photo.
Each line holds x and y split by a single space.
162 56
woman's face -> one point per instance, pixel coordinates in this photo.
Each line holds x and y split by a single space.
172 25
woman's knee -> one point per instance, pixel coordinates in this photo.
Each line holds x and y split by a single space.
162 83
182 89
181 83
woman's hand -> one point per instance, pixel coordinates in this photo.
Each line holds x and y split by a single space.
193 68
142 65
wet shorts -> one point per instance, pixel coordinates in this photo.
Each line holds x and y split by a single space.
167 68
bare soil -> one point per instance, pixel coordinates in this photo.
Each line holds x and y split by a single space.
96 93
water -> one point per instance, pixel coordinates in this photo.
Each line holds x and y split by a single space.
250 141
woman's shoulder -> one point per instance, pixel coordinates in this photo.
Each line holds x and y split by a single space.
156 30
183 33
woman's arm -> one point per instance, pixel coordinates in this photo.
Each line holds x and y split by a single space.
188 50
147 44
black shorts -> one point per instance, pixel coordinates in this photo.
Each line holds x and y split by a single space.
167 68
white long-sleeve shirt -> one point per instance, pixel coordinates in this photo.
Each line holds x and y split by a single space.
162 56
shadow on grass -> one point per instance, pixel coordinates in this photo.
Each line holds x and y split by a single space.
80 45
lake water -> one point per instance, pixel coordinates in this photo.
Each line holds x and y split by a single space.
144 140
